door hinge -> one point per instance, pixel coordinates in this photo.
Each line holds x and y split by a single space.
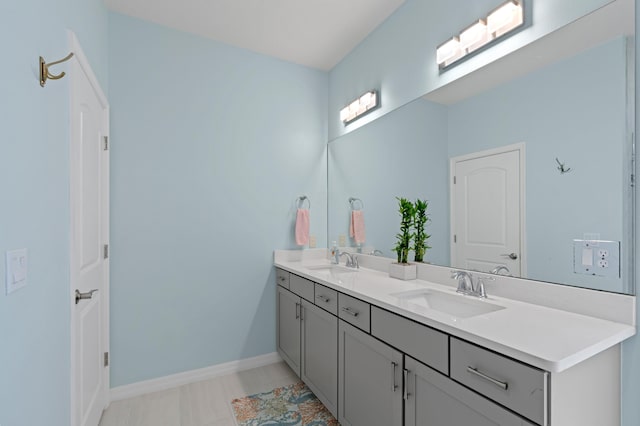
106 359
106 251
455 238
454 180
106 143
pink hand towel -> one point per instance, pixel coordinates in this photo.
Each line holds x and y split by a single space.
356 226
302 227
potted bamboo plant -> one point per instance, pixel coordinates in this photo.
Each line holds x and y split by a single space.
403 269
420 236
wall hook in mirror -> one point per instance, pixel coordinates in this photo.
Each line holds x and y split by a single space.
44 69
562 168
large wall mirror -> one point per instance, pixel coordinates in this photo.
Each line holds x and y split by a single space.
542 144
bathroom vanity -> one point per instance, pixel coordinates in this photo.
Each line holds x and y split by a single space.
379 351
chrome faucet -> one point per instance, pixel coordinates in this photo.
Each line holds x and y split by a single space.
467 286
465 281
352 261
500 268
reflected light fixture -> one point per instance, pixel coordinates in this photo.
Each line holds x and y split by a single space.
501 21
359 107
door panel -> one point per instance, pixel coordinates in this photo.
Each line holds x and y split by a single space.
370 388
486 212
288 335
89 205
320 354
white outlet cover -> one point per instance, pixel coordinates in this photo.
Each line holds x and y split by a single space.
17 268
605 261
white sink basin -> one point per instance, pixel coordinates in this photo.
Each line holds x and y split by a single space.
332 269
458 305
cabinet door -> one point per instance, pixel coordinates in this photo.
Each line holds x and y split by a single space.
435 400
320 354
369 380
288 328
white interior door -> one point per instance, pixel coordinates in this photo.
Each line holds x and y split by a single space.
487 220
89 197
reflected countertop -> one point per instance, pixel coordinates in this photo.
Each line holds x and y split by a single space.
550 339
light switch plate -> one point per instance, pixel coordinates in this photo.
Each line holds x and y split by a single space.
17 268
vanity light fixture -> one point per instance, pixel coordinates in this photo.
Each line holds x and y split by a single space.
359 107
501 21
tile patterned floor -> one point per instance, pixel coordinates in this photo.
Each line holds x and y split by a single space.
206 403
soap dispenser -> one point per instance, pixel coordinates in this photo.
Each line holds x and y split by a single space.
334 252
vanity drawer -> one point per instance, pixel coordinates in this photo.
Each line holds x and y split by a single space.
517 386
354 311
425 344
326 298
302 287
282 278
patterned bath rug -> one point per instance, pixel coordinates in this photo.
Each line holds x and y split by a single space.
293 405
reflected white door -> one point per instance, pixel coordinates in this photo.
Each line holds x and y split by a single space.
487 210
89 197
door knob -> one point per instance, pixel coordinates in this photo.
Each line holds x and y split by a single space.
84 296
511 256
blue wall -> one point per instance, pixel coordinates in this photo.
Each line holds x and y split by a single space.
211 145
403 154
34 152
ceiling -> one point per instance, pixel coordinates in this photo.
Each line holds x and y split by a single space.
313 33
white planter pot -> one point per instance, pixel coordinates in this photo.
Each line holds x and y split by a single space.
403 271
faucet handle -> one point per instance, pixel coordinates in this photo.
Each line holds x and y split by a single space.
480 291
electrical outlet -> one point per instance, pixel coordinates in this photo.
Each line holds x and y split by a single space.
603 263
342 240
603 253
312 241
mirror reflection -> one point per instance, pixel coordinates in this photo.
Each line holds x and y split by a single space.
523 178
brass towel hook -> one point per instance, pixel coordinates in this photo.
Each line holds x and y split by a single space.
44 69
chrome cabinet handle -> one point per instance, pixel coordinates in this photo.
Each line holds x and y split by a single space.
394 387
511 256
325 299
351 312
84 296
297 310
474 371
405 394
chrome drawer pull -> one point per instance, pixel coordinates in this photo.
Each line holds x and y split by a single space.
503 385
394 387
351 312
297 310
281 278
325 299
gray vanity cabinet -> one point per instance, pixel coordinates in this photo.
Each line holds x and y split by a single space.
320 354
432 399
288 328
369 380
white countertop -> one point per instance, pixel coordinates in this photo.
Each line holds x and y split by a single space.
547 338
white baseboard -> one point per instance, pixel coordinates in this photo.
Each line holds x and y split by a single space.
184 378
